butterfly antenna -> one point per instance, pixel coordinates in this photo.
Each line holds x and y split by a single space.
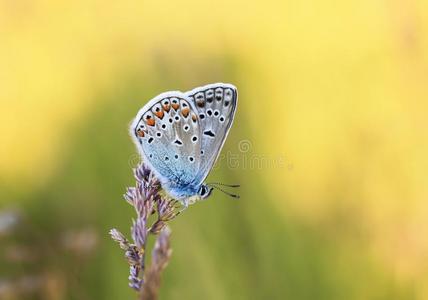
227 193
222 184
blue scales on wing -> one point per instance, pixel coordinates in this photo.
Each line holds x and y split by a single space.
216 105
167 133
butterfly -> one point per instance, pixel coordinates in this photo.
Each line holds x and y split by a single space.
180 136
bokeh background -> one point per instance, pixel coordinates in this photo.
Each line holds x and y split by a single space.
330 146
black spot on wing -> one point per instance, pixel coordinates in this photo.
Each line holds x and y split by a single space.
209 133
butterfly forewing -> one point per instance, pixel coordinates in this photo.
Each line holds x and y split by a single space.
216 106
167 133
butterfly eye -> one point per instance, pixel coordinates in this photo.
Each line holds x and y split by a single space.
205 192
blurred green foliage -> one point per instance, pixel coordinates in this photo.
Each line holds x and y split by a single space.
331 95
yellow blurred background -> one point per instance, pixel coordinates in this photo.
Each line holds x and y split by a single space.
332 98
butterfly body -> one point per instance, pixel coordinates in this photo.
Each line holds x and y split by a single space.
180 136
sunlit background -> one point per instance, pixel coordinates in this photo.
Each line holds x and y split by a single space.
330 145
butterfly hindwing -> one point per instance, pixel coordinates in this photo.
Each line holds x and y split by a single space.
216 106
167 132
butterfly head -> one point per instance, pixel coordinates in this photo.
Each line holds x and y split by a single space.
205 191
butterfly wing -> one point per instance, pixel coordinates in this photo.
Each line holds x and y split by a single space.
167 133
216 106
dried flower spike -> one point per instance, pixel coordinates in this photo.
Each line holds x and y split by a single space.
146 200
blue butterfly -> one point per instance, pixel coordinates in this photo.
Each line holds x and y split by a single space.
180 136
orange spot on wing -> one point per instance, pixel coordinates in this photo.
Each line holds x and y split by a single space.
159 114
185 112
175 106
140 133
166 107
193 117
151 122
